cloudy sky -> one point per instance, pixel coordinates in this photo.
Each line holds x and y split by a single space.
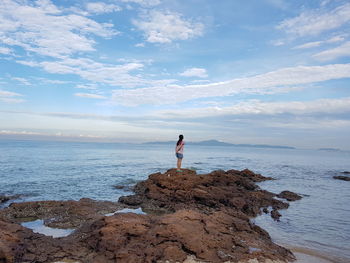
259 71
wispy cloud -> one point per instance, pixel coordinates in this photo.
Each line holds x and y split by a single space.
333 53
43 28
5 50
10 97
314 22
166 27
88 69
101 7
319 43
149 3
117 75
52 134
90 96
22 80
282 78
256 107
86 86
195 72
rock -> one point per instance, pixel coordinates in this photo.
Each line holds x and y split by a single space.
126 188
252 176
275 215
290 196
341 177
5 198
131 200
173 191
139 238
200 216
346 172
60 214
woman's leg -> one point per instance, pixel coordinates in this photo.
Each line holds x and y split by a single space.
179 160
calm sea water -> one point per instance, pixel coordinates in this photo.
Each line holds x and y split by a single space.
67 170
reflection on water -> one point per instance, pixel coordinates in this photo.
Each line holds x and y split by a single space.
38 227
127 210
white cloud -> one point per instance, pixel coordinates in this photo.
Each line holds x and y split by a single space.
309 45
10 97
53 81
89 95
315 22
195 72
4 93
5 50
55 134
166 27
86 86
22 80
143 2
333 53
110 74
319 43
10 132
116 75
263 83
100 8
42 28
256 107
277 42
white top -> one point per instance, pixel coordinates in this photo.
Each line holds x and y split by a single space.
180 148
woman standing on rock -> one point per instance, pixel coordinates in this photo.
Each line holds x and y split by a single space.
179 151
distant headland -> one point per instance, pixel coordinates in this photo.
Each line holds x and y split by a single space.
219 143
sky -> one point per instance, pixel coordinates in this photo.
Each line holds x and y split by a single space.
260 71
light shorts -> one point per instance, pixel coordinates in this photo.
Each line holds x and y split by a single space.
179 155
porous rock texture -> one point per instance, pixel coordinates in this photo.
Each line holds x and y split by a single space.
204 216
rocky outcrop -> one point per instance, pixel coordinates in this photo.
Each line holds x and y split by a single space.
204 216
233 190
59 214
341 177
5 198
289 196
216 237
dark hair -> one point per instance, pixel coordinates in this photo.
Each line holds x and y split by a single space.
181 137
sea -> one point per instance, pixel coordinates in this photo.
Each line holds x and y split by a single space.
319 222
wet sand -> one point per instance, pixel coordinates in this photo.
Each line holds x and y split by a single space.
304 255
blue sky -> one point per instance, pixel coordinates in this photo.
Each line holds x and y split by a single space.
260 71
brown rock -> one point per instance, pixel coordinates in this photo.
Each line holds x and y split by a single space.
213 238
61 214
290 196
173 191
206 216
275 215
341 177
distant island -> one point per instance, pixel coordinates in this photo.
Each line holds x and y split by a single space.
219 143
330 149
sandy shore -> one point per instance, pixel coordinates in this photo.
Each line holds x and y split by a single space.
304 255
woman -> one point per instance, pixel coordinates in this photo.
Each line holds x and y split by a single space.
179 151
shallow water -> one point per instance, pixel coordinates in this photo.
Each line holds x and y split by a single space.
38 227
66 170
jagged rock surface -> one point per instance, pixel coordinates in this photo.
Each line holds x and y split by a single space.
206 216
